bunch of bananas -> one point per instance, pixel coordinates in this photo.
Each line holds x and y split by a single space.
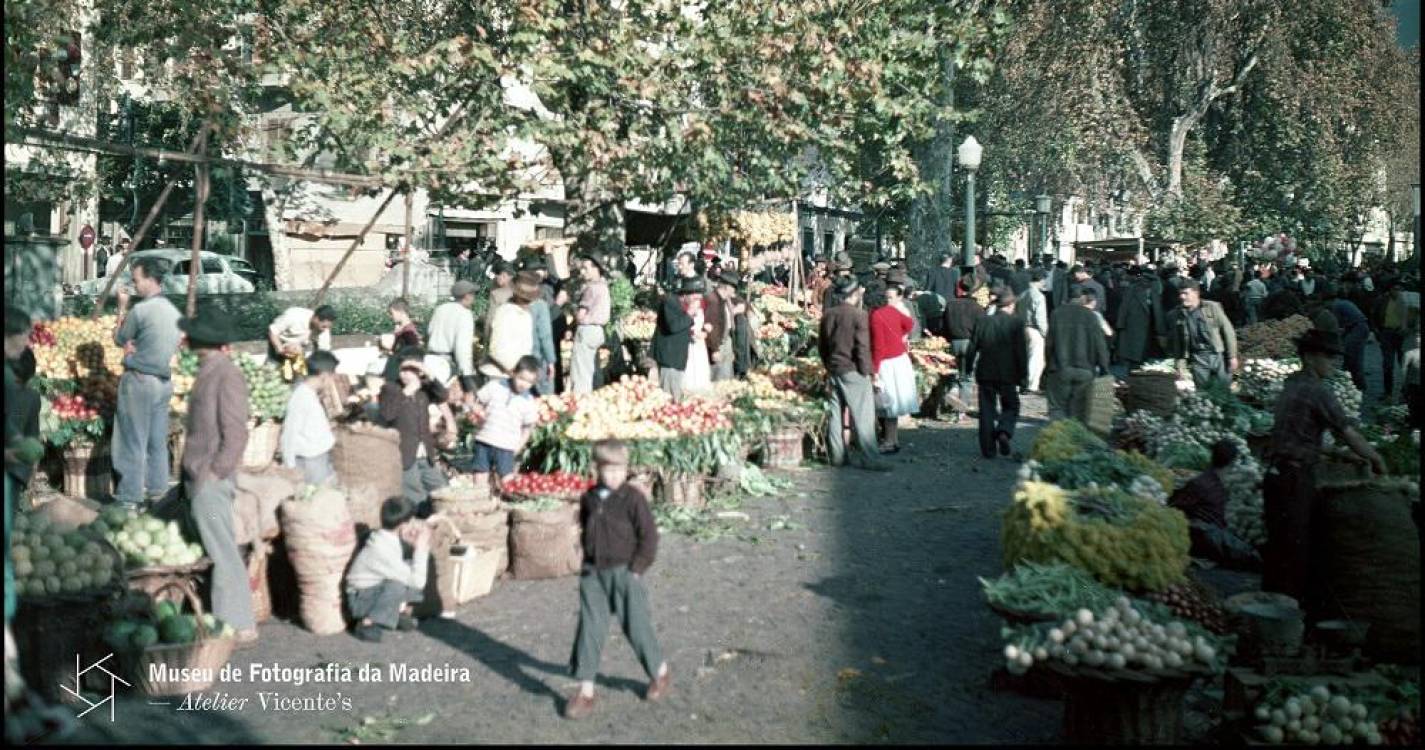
1142 546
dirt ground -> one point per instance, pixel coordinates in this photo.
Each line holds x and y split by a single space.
846 610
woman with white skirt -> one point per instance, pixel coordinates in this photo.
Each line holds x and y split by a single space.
894 376
697 375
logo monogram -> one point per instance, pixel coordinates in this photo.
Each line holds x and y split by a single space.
79 678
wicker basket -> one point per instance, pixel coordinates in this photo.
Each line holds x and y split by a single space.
88 472
1124 707
1155 392
463 500
681 490
262 441
202 658
50 631
155 580
783 449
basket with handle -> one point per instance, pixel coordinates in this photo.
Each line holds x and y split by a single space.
262 440
1155 392
186 667
155 579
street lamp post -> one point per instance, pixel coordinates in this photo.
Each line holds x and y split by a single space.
969 153
1042 206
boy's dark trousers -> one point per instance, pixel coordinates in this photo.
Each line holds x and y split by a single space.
615 591
382 603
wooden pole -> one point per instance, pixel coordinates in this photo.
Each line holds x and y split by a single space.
322 293
199 142
195 266
406 272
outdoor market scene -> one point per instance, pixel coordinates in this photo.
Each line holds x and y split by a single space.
658 372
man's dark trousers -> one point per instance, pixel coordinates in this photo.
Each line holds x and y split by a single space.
999 412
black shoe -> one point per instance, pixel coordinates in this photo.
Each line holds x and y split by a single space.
1003 440
887 450
368 633
989 455
406 622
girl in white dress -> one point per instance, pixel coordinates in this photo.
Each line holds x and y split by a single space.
697 375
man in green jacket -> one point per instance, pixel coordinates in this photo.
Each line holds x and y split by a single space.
1201 337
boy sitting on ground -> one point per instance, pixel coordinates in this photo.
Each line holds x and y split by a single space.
381 585
510 411
620 541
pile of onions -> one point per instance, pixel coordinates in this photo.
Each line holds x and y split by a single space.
1315 718
1119 638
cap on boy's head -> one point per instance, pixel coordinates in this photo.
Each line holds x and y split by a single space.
610 453
396 511
321 363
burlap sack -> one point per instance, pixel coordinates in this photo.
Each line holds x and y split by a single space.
320 540
68 513
364 504
367 456
545 545
255 501
1369 563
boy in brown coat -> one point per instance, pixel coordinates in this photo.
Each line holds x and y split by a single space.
620 542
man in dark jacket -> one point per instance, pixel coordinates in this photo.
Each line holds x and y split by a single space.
998 357
673 335
961 314
1076 351
405 405
941 280
845 347
1139 315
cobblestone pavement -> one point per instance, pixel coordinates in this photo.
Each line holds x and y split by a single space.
845 610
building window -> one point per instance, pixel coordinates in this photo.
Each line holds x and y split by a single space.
549 233
830 243
808 242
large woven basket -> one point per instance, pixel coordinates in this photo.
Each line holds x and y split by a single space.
49 632
262 441
88 471
681 490
1154 392
156 580
783 449
1123 707
198 661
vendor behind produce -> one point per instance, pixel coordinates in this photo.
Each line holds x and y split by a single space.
1204 501
295 334
307 438
1305 410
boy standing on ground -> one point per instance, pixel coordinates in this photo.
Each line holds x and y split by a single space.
620 542
510 412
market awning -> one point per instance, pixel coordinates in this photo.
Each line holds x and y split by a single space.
1125 248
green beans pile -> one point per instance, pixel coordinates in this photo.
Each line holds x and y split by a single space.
1048 589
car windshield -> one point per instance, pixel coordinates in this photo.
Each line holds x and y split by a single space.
241 266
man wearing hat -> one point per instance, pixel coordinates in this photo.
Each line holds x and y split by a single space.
1139 315
723 356
216 436
1304 411
1201 337
452 337
673 334
512 329
591 317
997 347
845 347
1076 351
961 314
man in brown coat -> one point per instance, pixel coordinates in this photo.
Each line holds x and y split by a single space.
1201 337
1076 351
845 347
212 452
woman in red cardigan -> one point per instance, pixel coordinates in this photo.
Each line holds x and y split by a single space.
894 376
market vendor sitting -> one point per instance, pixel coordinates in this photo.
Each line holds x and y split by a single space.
295 334
1204 501
1304 411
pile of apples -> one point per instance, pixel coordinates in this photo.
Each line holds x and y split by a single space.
73 407
557 484
695 416
74 348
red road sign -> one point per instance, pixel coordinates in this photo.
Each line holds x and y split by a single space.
86 237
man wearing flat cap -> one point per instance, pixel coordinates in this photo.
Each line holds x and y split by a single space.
674 334
212 453
452 337
1201 337
845 347
1305 410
